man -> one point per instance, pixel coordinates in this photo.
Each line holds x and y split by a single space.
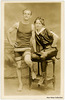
22 45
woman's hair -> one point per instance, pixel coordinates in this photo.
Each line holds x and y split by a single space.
41 20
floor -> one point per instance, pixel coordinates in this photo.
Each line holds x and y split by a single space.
11 85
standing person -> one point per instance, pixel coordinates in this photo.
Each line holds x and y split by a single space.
46 45
22 45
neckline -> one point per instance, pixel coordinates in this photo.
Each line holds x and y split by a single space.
24 22
40 31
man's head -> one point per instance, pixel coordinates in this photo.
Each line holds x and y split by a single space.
27 14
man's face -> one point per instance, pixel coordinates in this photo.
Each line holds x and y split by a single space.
38 25
27 15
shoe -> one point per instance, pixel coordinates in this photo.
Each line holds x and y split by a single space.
41 81
20 88
33 75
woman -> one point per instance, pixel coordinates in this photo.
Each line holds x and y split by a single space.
45 43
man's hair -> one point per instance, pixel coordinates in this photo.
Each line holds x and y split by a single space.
41 20
27 10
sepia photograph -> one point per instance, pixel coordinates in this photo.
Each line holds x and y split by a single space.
32 61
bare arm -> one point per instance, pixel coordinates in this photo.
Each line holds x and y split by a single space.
15 26
55 41
33 39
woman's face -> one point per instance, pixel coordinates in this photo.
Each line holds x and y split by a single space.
38 25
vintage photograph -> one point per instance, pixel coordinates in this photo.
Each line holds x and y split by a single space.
32 49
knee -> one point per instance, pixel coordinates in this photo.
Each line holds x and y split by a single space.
18 64
28 61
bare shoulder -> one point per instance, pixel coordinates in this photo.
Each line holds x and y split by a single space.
16 25
32 27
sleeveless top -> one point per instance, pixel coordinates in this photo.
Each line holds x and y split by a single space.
23 35
45 38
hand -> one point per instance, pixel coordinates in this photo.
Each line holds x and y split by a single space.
15 45
54 45
43 54
12 44
37 53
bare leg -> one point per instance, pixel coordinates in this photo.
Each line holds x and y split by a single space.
19 75
28 61
43 69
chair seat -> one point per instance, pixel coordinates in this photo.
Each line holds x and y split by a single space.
41 60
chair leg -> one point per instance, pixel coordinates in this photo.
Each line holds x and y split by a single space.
38 70
46 76
53 74
30 78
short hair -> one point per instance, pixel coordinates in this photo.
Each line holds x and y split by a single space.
41 20
27 10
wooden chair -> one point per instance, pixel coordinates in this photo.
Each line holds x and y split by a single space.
46 79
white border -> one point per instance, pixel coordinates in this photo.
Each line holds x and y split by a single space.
2 56
33 1
0 49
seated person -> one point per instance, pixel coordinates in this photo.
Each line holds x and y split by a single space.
45 44
22 46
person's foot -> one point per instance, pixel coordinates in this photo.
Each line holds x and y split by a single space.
20 88
33 75
41 81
